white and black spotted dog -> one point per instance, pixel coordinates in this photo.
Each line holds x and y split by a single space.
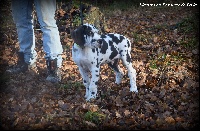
90 50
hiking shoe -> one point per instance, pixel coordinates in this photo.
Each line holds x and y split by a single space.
21 65
54 73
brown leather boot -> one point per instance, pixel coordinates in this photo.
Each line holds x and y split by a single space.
54 73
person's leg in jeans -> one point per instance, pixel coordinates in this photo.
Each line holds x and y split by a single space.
22 16
45 10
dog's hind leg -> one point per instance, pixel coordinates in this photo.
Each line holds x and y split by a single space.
85 73
131 71
118 72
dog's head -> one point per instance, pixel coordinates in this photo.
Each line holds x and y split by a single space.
84 35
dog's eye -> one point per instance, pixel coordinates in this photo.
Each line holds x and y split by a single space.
98 41
91 32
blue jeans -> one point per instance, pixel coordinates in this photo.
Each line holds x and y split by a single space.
22 15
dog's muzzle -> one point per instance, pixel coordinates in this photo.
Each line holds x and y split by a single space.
97 43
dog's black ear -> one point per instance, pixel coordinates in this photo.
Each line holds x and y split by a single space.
78 36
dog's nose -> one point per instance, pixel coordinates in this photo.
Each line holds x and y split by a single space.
99 41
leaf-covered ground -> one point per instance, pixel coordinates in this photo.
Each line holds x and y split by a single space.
165 55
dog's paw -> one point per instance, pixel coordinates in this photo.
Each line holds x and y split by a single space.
86 96
134 89
89 98
91 94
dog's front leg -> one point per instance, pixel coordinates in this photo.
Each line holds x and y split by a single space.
93 83
86 79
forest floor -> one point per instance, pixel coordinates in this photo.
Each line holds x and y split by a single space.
165 54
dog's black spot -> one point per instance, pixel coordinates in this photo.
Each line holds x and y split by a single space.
128 43
115 38
98 63
113 49
97 75
96 83
103 36
96 71
121 38
92 62
93 50
101 60
111 44
97 49
85 81
104 47
114 65
128 57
